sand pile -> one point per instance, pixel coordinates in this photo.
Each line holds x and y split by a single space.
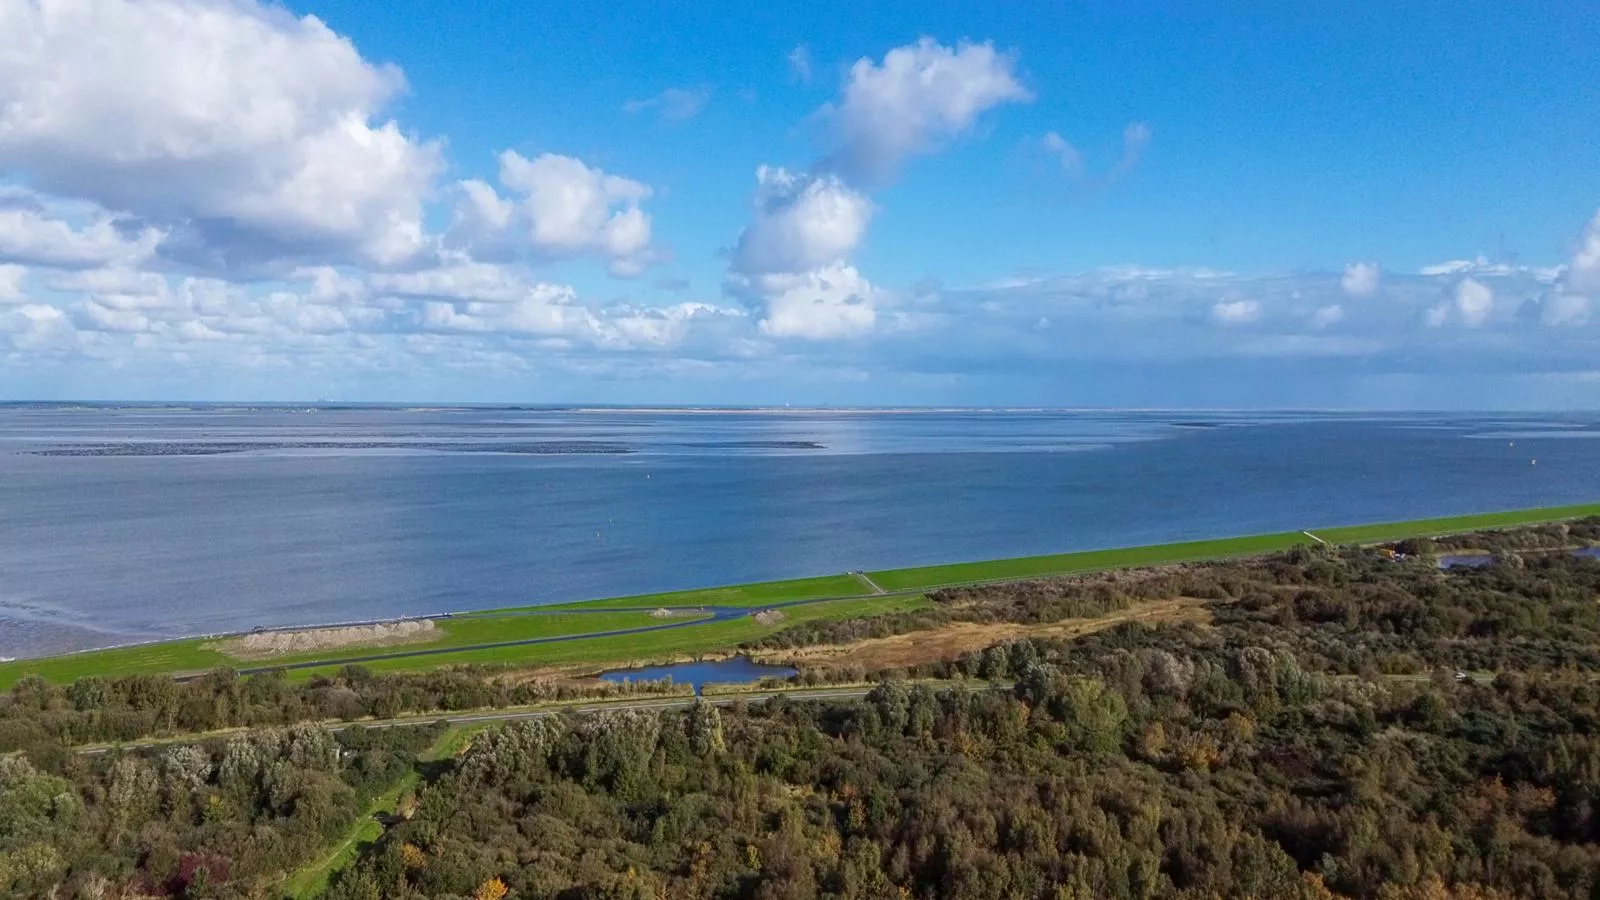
266 644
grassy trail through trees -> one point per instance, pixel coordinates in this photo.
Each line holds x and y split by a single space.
312 880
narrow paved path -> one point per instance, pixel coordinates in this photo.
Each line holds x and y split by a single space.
1315 538
866 580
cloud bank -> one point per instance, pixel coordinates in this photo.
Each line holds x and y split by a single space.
262 225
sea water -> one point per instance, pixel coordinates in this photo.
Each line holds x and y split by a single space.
121 524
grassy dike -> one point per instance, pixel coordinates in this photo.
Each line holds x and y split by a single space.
200 654
568 628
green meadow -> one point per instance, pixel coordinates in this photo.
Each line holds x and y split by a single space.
649 647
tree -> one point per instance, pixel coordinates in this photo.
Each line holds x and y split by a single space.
493 889
703 722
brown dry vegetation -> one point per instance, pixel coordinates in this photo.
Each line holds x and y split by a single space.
956 639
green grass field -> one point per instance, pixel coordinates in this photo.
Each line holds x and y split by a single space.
144 659
494 626
735 595
192 655
1396 531
642 649
927 577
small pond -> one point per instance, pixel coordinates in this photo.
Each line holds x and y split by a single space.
1465 560
734 670
1479 560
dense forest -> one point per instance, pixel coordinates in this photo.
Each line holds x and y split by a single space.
1284 786
1339 723
222 819
1346 725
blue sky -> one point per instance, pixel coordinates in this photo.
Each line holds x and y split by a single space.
1369 205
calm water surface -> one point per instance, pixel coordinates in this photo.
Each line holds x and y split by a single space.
127 524
733 670
1480 560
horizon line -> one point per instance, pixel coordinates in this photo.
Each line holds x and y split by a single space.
552 406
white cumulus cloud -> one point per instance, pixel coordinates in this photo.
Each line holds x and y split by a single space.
1474 301
1361 279
1236 312
791 260
255 132
11 277
573 207
800 222
1583 274
562 207
1325 316
919 96
833 301
659 327
29 236
35 326
545 309
456 280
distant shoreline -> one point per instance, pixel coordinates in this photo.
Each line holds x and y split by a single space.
357 406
